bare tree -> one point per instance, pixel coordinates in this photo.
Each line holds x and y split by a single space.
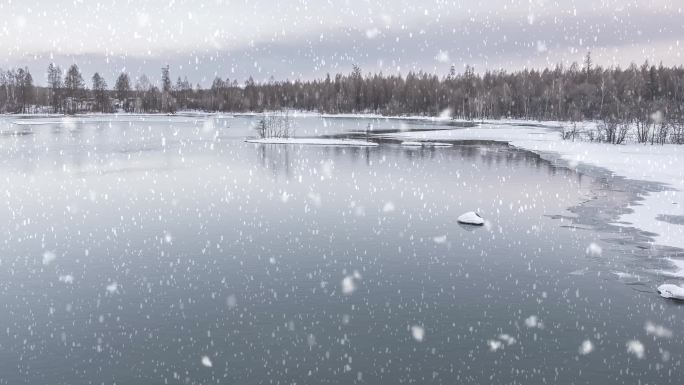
123 90
102 103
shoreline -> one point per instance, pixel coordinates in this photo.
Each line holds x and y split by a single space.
655 165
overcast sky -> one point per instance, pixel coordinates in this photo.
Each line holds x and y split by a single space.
306 39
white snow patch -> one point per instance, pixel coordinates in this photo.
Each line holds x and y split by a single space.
471 218
425 144
671 291
625 275
314 142
418 333
633 161
636 347
679 266
645 215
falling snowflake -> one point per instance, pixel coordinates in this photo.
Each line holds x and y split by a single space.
206 362
418 333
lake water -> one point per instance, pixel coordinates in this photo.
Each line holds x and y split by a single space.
166 250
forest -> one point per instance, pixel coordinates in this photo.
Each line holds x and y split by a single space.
577 92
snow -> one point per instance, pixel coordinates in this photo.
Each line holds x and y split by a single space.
586 347
657 330
658 163
314 142
533 322
48 257
112 288
471 218
206 361
348 285
440 239
636 347
388 207
594 250
509 340
68 278
671 291
418 333
425 144
679 266
231 301
494 345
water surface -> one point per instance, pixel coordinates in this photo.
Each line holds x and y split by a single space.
132 247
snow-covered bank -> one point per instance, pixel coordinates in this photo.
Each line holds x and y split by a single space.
426 144
314 142
660 213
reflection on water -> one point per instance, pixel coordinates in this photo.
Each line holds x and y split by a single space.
133 248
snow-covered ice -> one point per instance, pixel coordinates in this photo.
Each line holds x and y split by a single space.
659 164
668 290
314 142
679 268
471 218
425 144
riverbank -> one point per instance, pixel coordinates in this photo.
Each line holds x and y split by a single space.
660 211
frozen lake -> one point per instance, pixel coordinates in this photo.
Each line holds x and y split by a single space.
166 250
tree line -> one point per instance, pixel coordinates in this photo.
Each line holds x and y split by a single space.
577 92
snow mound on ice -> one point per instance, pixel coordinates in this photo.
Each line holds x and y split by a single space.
425 144
314 142
671 291
471 218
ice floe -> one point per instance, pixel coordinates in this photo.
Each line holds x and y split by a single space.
425 144
314 142
671 291
471 218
